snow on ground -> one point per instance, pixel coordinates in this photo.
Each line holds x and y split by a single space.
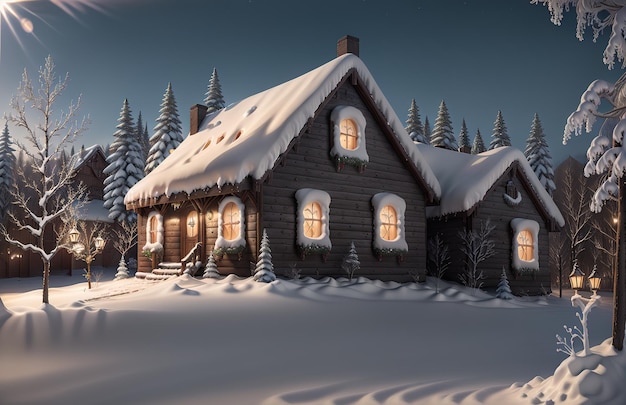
234 341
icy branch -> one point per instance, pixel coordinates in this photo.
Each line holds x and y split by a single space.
587 111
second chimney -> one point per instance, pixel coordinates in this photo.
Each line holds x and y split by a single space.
196 116
348 44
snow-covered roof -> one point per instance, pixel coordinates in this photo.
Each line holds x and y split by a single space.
465 179
83 156
246 138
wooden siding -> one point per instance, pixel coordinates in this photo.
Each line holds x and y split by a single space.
500 214
309 165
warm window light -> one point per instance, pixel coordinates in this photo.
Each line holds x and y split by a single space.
348 134
232 221
576 278
594 280
74 235
388 223
100 243
312 213
525 246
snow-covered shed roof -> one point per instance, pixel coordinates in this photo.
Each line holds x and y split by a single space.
465 179
246 138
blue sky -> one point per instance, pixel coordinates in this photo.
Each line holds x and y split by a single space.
480 56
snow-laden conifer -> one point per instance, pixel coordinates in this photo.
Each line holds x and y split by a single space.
503 291
427 131
210 270
142 137
414 125
500 137
538 155
264 270
213 97
464 142
168 133
443 136
7 168
351 263
478 146
125 167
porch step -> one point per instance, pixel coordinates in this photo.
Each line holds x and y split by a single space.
163 272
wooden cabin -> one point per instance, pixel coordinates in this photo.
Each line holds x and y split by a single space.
319 162
500 187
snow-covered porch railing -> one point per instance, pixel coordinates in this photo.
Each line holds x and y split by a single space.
193 257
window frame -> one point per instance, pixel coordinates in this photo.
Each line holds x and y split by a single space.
519 225
153 246
304 197
399 245
357 156
239 241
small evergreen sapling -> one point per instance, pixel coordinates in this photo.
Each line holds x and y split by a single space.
264 271
351 262
504 289
211 268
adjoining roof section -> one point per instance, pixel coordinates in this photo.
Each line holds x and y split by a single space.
246 138
83 156
465 179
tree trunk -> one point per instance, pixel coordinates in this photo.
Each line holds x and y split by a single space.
619 276
46 281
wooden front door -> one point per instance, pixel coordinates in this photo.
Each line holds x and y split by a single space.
190 231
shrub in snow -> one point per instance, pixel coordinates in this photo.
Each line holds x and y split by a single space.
122 270
438 257
504 289
264 271
477 247
351 262
211 268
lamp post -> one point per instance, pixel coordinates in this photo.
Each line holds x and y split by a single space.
85 252
577 279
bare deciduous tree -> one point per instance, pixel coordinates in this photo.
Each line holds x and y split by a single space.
48 195
477 247
439 257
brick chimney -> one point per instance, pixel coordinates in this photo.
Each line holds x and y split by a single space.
348 44
196 116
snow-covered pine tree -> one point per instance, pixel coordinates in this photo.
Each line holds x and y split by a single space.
351 262
264 270
168 133
500 137
211 268
538 155
414 125
7 171
443 136
503 291
45 218
478 146
464 142
213 97
142 137
427 131
125 167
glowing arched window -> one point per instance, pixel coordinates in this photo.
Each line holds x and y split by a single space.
388 223
192 224
348 134
525 245
312 213
153 226
231 225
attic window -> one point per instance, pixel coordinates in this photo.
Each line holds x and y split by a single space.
207 144
348 137
237 136
220 139
525 252
511 189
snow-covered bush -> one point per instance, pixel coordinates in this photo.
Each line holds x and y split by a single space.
211 268
503 291
264 270
351 262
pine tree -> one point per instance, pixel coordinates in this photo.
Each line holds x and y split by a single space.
211 268
264 271
142 137
168 133
125 167
414 125
442 135
538 155
351 262
427 131
500 137
478 146
7 170
464 143
504 289
213 97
